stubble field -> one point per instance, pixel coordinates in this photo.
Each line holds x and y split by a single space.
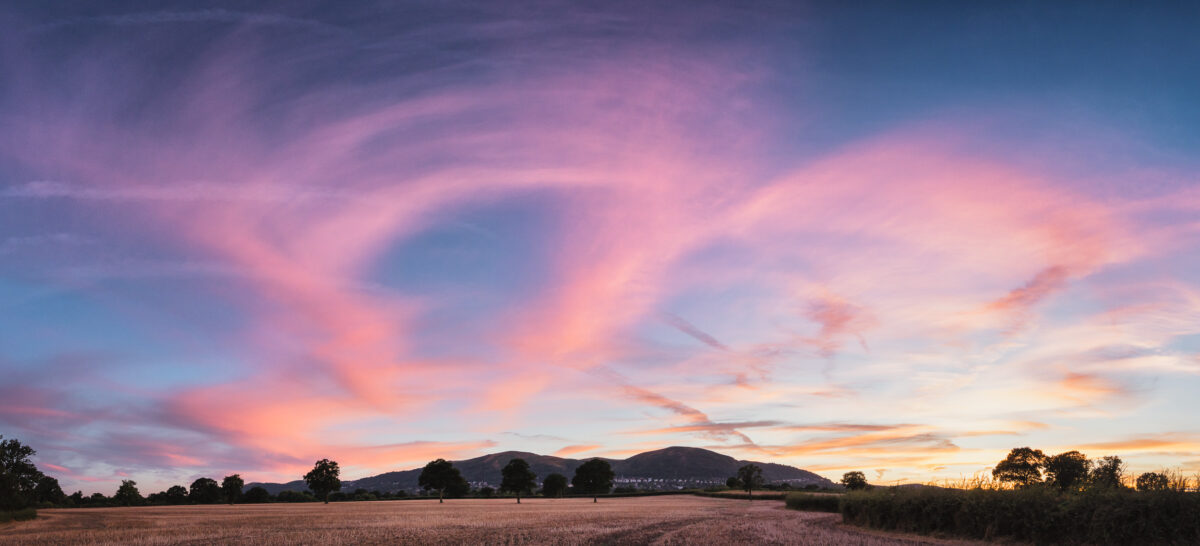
649 520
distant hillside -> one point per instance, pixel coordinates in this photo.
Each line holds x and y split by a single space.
669 467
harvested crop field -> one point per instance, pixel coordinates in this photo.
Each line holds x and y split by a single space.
676 519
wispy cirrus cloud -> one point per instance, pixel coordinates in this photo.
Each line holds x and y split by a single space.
629 169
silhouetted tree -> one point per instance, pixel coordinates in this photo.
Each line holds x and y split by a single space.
517 478
127 494
594 477
1152 481
231 487
1107 472
323 479
554 485
440 475
257 494
854 480
1021 468
48 490
18 475
733 483
76 498
1066 471
205 491
750 476
486 492
176 494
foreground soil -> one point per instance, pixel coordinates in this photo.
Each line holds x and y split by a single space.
647 520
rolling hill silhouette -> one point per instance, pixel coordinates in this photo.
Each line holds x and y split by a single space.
665 468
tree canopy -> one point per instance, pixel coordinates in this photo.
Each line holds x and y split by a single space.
48 490
18 475
1022 467
517 478
323 479
1066 471
128 494
554 485
204 491
594 477
750 476
854 480
1152 481
257 494
440 475
1107 472
231 487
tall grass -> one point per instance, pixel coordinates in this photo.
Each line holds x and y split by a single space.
1039 515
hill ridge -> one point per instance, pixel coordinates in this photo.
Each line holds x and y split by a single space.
666 468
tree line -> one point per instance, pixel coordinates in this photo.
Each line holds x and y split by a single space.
23 486
1072 471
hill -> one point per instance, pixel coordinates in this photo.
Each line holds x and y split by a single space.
666 468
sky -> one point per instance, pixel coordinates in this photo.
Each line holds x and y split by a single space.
895 238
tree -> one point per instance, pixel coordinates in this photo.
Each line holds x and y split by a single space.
554 485
1022 467
18 475
205 491
1067 471
127 494
594 477
48 490
733 483
231 487
486 492
517 478
323 478
1107 472
855 480
1152 481
441 475
176 494
750 476
458 488
257 494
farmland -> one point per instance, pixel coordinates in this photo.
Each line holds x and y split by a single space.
677 519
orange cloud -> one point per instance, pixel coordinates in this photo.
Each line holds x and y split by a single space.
568 451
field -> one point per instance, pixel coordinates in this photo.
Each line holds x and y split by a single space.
676 519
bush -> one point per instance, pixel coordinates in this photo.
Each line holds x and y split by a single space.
18 515
1036 514
813 503
293 496
257 494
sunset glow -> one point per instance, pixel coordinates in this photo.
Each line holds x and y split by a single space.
242 241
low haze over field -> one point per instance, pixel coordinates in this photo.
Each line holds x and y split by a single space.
898 239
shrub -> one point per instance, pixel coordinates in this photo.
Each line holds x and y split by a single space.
294 496
812 503
18 515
